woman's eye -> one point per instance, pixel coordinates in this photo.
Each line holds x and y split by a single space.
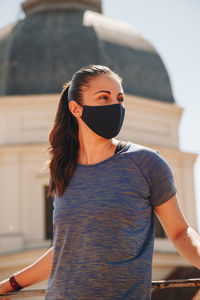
104 97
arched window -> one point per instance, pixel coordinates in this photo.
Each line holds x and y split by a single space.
48 215
159 231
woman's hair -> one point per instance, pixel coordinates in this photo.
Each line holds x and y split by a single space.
63 138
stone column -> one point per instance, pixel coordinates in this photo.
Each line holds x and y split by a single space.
11 237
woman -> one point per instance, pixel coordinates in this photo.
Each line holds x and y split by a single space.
105 192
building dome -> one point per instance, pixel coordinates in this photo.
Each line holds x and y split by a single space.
41 52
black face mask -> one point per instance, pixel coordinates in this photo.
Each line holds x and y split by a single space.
104 120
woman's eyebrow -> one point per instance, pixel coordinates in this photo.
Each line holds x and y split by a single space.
107 92
102 92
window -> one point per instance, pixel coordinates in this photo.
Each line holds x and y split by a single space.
159 231
48 214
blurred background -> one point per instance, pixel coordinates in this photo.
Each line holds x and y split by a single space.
154 45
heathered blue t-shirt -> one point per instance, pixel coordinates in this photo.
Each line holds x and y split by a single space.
103 227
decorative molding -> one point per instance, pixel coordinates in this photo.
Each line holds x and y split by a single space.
32 117
32 6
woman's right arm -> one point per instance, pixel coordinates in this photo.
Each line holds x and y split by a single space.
36 272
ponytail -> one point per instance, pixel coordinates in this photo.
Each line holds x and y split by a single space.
64 146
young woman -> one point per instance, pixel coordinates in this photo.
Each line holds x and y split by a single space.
105 194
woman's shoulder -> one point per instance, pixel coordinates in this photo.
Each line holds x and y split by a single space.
148 159
135 150
144 156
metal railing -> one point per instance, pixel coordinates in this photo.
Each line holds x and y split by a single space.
179 283
162 284
23 294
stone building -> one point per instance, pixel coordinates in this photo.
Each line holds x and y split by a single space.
37 56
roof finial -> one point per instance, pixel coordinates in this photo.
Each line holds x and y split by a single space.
30 6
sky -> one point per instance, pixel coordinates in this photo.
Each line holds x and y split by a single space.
173 28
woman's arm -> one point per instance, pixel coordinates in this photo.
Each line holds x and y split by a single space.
185 239
36 272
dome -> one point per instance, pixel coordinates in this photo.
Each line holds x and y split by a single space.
41 52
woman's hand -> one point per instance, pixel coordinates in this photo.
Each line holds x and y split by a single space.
5 287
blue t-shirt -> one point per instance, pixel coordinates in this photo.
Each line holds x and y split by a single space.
103 227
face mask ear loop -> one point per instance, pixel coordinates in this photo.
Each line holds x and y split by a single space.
69 119
82 109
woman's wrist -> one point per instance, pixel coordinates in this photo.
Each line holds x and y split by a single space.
15 285
9 285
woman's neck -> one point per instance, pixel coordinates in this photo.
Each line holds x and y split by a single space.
93 151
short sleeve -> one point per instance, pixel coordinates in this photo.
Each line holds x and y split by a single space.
160 179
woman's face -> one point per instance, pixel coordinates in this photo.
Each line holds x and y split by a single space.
103 90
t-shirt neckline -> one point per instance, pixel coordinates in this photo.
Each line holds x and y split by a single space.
105 160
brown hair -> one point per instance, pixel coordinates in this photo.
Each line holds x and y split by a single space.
63 138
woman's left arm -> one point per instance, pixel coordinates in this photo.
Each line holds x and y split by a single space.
185 239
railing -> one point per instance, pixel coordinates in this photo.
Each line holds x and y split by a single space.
23 294
162 284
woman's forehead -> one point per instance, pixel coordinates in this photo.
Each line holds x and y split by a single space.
105 82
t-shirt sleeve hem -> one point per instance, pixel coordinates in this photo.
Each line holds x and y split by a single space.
165 198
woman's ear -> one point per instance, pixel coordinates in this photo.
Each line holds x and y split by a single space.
75 108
